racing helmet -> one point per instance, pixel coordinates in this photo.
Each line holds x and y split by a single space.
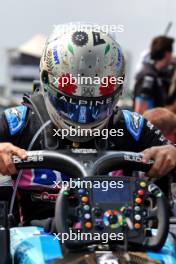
82 73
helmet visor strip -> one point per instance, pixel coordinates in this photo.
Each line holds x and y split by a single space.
83 111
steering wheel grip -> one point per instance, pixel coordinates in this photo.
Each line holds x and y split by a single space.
120 160
51 160
157 242
61 222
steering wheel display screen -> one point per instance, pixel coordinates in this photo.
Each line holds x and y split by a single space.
121 193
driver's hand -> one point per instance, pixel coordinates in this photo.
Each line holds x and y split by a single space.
7 150
164 159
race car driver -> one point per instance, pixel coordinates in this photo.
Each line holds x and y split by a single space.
71 53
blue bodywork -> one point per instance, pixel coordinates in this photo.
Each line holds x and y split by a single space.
31 245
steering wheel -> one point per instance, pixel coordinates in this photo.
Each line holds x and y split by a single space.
87 163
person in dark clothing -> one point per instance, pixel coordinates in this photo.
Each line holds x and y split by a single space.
154 79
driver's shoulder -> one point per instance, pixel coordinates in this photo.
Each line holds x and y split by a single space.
16 118
132 122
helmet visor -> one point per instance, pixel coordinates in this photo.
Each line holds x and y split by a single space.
83 112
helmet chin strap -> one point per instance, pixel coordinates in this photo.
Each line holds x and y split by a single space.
63 123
